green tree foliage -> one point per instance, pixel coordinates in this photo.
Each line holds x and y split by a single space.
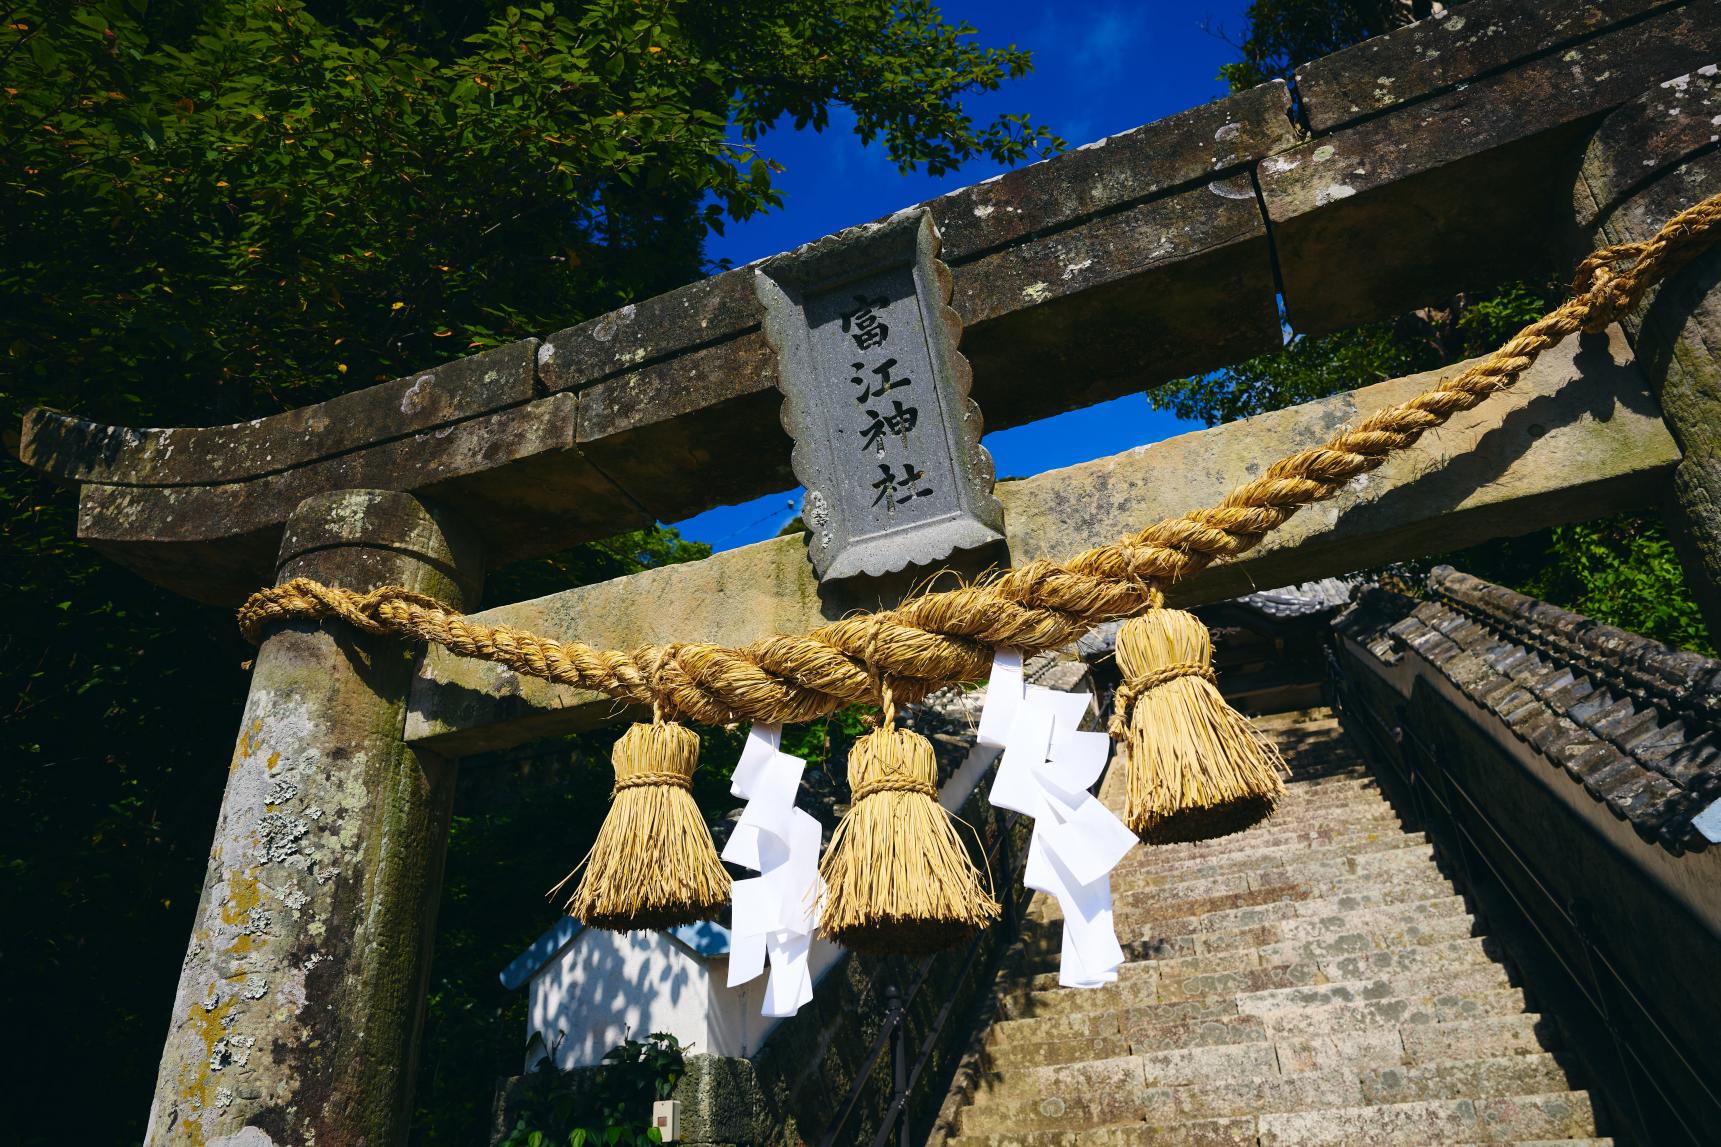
606 1112
213 210
280 198
1314 366
1620 570
1284 33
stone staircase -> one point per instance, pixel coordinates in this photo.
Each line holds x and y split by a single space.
1316 980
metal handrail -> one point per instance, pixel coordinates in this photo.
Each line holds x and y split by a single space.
1591 987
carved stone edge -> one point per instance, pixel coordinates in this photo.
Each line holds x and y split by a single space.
779 283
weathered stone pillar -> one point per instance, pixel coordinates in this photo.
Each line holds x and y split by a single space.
1648 160
301 997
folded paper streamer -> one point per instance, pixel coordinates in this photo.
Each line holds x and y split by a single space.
774 912
1049 764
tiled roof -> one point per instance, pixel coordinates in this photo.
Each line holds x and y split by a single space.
1303 600
1630 719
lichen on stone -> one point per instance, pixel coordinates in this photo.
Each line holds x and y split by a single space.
278 836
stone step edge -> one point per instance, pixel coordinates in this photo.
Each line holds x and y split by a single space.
1016 1109
1470 951
1263 1123
1490 1003
1396 988
1527 1020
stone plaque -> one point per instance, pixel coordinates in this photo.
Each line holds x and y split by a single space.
875 395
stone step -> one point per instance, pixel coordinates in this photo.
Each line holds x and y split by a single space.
1311 1090
1373 935
1459 982
1335 784
1342 793
1310 939
1504 1119
1262 1017
1257 990
1311 869
1104 1082
1210 1133
1361 812
1042 940
1402 1012
1342 1087
1262 848
1270 946
1486 1038
1524 1034
1235 931
1237 1057
1334 776
1081 1049
1163 1106
1548 1143
1502 1075
1295 814
1264 837
1367 839
1305 902
1360 799
1415 960
1242 890
1383 863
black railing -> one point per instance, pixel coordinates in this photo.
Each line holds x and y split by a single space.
1002 860
1421 766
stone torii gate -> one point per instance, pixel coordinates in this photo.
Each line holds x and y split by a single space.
1442 157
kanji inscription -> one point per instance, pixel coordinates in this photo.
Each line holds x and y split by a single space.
875 395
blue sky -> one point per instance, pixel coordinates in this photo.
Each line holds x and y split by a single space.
1099 68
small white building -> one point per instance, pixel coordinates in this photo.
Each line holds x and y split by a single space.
589 990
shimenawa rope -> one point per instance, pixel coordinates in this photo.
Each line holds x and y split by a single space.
949 636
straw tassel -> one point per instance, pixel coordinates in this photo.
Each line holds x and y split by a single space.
653 864
1197 768
898 879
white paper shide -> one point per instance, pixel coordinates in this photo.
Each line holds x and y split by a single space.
1049 764
774 912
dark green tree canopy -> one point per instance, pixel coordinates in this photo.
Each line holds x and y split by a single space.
218 209
1284 33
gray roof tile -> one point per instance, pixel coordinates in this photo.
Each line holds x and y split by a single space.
1637 723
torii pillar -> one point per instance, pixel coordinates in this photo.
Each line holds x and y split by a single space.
301 997
1648 160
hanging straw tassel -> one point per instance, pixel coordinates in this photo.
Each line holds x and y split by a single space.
653 864
1197 768
898 880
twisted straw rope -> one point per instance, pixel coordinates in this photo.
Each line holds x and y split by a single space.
893 784
940 638
641 780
